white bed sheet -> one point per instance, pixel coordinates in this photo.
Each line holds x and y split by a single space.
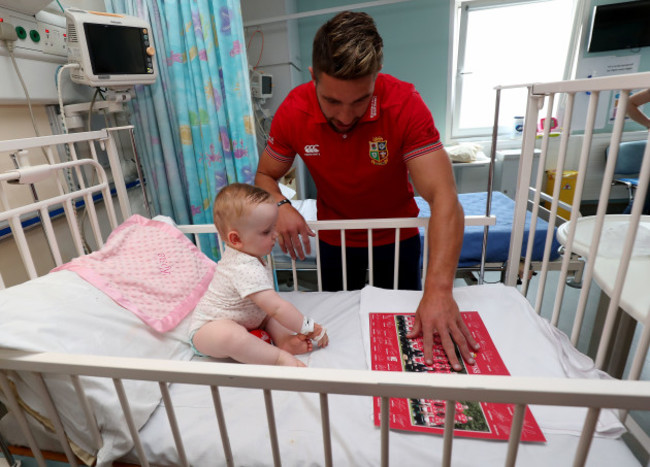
61 312
355 439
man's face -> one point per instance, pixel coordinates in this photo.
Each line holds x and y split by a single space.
344 102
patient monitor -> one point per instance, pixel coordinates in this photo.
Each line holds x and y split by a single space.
111 50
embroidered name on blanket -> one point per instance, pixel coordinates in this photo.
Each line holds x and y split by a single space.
149 268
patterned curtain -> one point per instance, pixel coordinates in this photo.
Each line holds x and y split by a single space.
194 126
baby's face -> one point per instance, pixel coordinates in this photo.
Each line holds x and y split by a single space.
258 232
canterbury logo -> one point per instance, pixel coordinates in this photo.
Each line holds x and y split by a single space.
312 150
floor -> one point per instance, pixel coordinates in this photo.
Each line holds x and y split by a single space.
28 462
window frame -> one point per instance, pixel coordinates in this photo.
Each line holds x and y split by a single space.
460 11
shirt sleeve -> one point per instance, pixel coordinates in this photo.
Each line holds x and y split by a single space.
251 277
420 133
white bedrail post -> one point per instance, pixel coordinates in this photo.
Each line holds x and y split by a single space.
521 195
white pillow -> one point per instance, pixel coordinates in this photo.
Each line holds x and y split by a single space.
61 312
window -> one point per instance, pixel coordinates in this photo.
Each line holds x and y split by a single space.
505 43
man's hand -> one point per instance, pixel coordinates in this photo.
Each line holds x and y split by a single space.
293 232
438 314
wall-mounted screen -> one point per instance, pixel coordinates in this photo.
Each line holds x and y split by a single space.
620 26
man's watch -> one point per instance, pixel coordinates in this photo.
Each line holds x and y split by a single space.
284 201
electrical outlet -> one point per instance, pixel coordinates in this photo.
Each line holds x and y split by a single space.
37 40
53 39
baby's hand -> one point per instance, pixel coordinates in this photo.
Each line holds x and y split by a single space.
319 335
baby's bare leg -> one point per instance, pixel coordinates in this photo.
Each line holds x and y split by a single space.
225 338
295 344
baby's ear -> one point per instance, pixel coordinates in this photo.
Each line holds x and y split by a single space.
233 238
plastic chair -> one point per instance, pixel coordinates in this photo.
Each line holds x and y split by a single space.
628 166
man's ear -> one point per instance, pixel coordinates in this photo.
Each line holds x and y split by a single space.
233 238
311 72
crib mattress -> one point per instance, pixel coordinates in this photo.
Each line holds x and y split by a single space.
535 349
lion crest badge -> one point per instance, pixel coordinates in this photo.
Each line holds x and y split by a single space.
378 151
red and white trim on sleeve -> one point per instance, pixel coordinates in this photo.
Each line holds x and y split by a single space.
422 151
279 157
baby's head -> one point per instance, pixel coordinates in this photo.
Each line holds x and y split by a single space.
245 217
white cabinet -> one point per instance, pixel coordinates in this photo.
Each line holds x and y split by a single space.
506 170
471 177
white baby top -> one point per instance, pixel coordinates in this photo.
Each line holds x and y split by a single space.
237 276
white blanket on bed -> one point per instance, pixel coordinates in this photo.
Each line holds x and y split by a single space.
355 439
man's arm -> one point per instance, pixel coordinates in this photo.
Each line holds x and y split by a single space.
438 312
291 226
637 100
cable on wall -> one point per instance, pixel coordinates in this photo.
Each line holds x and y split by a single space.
259 58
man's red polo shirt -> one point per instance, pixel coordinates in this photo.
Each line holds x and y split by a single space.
361 174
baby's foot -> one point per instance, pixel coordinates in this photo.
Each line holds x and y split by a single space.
296 344
286 359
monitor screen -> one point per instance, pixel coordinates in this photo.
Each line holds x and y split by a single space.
116 50
620 26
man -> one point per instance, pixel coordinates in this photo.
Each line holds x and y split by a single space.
634 111
361 133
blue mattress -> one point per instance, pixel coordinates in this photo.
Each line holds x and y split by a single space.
498 235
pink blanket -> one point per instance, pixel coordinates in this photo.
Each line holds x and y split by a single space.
149 268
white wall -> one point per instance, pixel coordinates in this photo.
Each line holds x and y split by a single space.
280 55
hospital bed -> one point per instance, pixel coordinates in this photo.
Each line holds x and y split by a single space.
86 374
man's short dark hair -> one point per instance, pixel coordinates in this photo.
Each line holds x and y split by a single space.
347 47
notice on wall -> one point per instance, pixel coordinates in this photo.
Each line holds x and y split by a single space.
597 67
391 350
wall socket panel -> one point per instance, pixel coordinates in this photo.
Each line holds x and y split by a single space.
53 40
37 40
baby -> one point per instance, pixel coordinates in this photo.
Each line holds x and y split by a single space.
241 296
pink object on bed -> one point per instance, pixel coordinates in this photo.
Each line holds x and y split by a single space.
149 268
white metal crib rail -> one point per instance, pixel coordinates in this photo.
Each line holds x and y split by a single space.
369 225
570 90
520 391
65 197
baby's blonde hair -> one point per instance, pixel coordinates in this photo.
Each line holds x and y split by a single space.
234 202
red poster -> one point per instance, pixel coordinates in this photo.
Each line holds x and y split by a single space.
392 351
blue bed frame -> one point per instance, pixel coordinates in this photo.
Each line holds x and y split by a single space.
498 240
